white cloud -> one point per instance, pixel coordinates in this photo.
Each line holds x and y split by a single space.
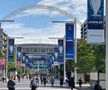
77 8
30 34
71 6
18 29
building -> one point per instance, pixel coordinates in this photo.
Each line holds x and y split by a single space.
38 54
3 48
3 41
84 31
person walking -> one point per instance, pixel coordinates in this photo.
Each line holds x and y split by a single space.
11 84
71 83
18 76
80 82
33 84
44 80
97 86
52 81
61 81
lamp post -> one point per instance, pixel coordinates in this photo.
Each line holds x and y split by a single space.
75 70
7 52
6 65
2 21
106 44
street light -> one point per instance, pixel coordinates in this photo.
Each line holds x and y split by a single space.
7 51
75 71
5 21
106 44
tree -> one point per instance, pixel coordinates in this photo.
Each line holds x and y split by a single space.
99 51
11 67
85 57
1 54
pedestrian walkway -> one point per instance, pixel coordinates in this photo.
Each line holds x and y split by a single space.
84 87
25 85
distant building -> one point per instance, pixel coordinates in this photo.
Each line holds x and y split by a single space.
3 41
84 31
3 48
38 54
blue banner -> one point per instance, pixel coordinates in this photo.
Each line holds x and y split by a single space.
56 54
23 57
19 54
95 14
60 50
11 47
69 41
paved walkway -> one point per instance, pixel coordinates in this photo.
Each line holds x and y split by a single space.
24 85
84 87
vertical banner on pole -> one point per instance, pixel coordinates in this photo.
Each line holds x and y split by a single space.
60 51
56 56
69 40
23 57
95 21
19 55
2 63
10 50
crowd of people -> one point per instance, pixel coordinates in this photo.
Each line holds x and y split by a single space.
35 81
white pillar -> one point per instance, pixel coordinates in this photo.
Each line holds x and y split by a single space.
6 76
106 44
64 59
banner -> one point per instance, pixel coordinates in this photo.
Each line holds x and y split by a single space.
10 47
2 66
29 62
95 24
69 41
23 57
11 53
60 50
2 63
55 55
2 60
19 55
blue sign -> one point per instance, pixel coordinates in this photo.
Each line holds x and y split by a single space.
60 50
23 58
11 47
55 54
19 54
95 14
69 41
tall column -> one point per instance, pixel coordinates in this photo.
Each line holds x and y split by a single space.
106 44
64 58
75 69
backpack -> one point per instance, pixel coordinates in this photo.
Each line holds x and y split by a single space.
34 83
11 84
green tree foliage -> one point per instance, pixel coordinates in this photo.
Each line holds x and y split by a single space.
85 57
11 67
70 65
1 54
99 57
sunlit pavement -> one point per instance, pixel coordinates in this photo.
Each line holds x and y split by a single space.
24 85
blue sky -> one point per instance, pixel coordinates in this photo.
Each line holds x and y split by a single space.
35 24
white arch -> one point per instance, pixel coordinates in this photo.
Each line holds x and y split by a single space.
14 13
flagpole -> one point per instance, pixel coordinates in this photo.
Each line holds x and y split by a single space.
64 58
6 76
